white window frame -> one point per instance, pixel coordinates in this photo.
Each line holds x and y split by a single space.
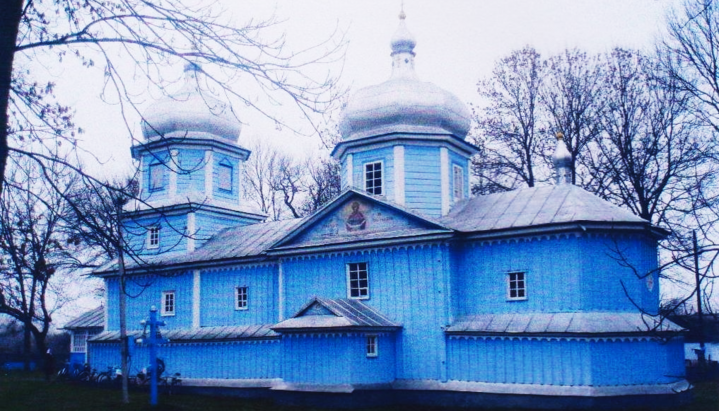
372 346
519 285
457 186
225 165
153 236
154 184
381 179
75 347
242 304
164 306
350 281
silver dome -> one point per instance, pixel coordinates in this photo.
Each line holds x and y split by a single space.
191 112
404 103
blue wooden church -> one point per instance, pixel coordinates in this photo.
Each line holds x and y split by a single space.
404 288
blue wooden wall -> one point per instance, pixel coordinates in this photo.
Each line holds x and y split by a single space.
144 292
423 187
336 359
232 196
384 154
238 360
191 175
573 362
173 233
564 274
217 305
407 284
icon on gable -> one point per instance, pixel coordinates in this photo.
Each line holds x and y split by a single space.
356 220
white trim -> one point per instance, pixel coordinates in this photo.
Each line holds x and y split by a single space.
150 230
383 187
349 287
281 291
106 320
444 177
467 184
375 344
455 168
173 174
508 284
350 172
240 172
196 290
209 166
247 298
399 175
163 298
191 231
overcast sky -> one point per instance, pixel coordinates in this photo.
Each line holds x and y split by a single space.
458 42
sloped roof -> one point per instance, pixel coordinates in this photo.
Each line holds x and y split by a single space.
585 323
342 313
94 318
532 207
233 332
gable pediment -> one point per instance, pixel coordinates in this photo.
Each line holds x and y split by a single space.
356 217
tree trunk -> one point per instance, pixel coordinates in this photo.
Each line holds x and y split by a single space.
123 313
9 26
26 347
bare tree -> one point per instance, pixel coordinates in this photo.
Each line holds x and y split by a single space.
509 130
131 41
34 249
572 95
324 184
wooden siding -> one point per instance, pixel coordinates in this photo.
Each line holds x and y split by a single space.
191 175
386 155
563 274
576 362
336 359
172 233
217 304
423 187
144 292
241 359
227 196
408 285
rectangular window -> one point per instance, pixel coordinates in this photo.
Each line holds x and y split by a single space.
79 338
167 303
240 298
372 346
373 178
225 177
516 286
357 281
153 237
458 182
157 176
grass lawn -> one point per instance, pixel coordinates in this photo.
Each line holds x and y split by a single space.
28 391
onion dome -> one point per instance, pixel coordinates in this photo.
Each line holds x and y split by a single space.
562 160
404 103
191 112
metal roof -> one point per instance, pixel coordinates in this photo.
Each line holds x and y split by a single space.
562 323
233 332
537 206
325 313
94 318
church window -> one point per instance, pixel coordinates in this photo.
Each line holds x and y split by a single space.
157 176
240 298
79 338
458 183
373 178
153 237
372 346
516 286
357 281
167 303
225 176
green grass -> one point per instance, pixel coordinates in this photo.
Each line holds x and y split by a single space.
28 391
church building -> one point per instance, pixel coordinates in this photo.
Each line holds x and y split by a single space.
404 288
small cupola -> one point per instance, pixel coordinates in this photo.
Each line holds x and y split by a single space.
562 160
